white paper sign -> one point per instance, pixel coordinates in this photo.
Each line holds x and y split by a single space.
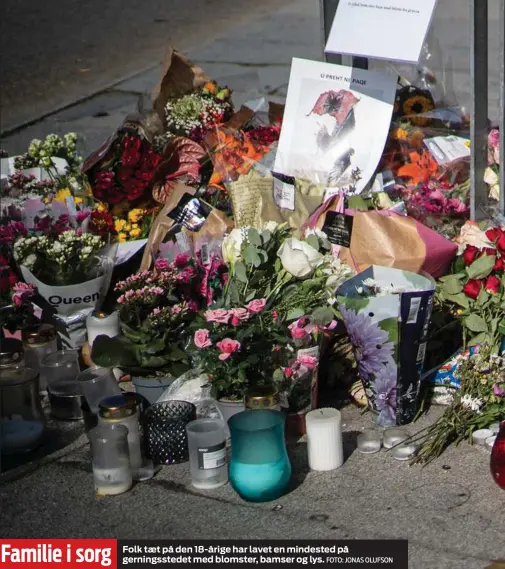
336 122
382 29
447 149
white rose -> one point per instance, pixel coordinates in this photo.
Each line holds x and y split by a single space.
491 178
270 226
299 258
232 246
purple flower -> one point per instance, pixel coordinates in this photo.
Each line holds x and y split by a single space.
384 388
372 347
498 391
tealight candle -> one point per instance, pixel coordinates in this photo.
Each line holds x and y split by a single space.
369 442
490 442
404 450
394 436
324 439
495 427
479 437
98 324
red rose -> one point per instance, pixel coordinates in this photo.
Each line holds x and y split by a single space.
104 180
493 234
473 288
499 265
134 189
132 151
124 173
144 175
470 254
493 284
151 160
500 244
114 195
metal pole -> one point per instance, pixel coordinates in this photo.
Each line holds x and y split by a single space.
478 105
328 9
502 108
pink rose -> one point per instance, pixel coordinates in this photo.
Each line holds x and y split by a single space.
257 305
162 264
227 347
220 316
288 372
309 362
186 275
297 333
240 313
202 339
181 261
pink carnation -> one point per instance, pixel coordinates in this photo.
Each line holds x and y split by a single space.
162 264
22 292
257 305
220 316
202 339
181 261
227 347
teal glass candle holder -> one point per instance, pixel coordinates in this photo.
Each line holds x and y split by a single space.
259 468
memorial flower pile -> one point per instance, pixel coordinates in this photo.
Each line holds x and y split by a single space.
476 405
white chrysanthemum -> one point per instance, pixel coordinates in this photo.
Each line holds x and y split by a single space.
474 404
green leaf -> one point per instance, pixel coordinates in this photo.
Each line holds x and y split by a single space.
254 237
355 304
241 272
476 323
481 268
452 286
390 325
175 354
482 338
251 256
501 327
295 314
313 241
323 315
459 276
482 298
277 265
266 235
155 346
113 352
459 299
494 325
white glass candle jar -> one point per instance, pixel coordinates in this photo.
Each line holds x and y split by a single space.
38 342
111 462
207 453
121 410
324 439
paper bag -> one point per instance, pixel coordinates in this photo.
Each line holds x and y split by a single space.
389 335
71 305
384 238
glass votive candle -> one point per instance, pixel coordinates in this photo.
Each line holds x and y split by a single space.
489 444
369 442
404 450
495 427
207 453
394 436
59 371
96 384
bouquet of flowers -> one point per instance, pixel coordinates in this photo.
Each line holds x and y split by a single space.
17 313
153 323
194 114
492 173
477 404
124 176
476 288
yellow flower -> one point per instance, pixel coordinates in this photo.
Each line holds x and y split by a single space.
62 194
102 208
135 225
78 201
122 237
119 225
135 233
135 215
127 227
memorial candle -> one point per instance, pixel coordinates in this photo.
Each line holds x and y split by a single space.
98 324
324 439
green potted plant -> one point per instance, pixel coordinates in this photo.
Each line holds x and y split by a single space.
152 344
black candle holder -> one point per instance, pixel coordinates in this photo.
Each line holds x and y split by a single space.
165 434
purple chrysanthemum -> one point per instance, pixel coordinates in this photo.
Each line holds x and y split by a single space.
384 388
371 345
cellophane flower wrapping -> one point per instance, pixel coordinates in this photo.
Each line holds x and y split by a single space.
387 313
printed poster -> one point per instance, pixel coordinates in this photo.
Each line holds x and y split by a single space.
335 125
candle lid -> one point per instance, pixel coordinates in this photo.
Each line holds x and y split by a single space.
117 407
11 352
39 334
262 397
324 414
17 375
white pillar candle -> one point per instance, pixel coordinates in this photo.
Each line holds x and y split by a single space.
98 324
324 439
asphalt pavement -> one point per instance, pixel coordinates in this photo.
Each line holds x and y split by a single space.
52 53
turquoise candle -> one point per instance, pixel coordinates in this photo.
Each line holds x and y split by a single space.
259 469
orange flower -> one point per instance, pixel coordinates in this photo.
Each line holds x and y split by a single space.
421 169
